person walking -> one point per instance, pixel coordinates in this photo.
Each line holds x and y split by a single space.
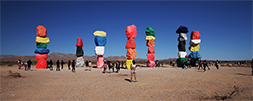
89 65
51 65
205 65
69 64
19 64
29 63
133 71
217 64
58 65
73 66
200 64
62 64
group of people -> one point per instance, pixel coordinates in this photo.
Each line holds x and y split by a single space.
200 64
25 64
112 65
158 64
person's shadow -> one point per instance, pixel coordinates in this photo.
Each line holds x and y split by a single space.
128 80
243 74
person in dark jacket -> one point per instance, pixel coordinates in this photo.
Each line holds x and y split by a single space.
62 64
217 64
73 66
205 65
200 64
69 64
29 63
58 65
50 65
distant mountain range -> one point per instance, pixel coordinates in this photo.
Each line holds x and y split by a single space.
66 57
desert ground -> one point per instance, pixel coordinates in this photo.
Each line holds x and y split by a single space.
164 83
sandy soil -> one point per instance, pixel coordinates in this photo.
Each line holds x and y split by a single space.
167 83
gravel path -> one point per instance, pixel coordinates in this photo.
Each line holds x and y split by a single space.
168 83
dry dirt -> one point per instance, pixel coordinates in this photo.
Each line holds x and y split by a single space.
167 83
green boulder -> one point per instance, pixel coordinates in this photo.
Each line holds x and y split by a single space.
150 31
180 60
41 45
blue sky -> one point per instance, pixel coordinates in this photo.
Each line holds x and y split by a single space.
225 26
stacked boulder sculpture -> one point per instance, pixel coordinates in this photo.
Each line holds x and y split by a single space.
100 41
79 53
131 33
41 44
182 55
150 32
194 47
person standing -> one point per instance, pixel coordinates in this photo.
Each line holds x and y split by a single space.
25 65
86 64
62 64
117 66
133 71
188 64
19 64
69 64
173 63
113 64
89 65
29 63
122 64
204 64
58 65
200 64
73 66
109 65
105 66
217 64
156 63
51 65
183 64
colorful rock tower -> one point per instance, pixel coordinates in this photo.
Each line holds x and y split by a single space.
100 41
194 48
41 44
79 53
182 55
131 33
150 32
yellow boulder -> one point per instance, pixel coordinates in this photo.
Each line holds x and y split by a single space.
150 38
194 48
128 64
99 33
42 40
